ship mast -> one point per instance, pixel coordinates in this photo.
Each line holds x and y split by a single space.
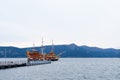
42 47
52 46
33 47
42 50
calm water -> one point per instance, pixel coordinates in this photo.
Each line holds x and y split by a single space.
67 69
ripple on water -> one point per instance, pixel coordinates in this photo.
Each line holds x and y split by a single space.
67 69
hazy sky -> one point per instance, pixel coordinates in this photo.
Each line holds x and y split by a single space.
84 22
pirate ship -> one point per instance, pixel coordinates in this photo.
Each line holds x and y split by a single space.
35 57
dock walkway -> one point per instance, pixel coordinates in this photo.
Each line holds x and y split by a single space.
12 64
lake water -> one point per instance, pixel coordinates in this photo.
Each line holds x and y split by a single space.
67 69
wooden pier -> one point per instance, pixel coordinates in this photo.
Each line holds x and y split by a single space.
12 64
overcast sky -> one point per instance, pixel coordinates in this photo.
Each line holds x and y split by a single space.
83 22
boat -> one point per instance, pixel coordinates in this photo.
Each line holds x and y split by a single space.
51 55
35 57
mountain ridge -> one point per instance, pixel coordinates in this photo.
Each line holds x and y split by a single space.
71 50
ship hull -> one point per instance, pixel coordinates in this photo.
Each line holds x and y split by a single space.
54 59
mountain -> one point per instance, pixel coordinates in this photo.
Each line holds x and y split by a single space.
12 52
71 50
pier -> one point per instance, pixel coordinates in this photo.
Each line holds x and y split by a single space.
12 64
